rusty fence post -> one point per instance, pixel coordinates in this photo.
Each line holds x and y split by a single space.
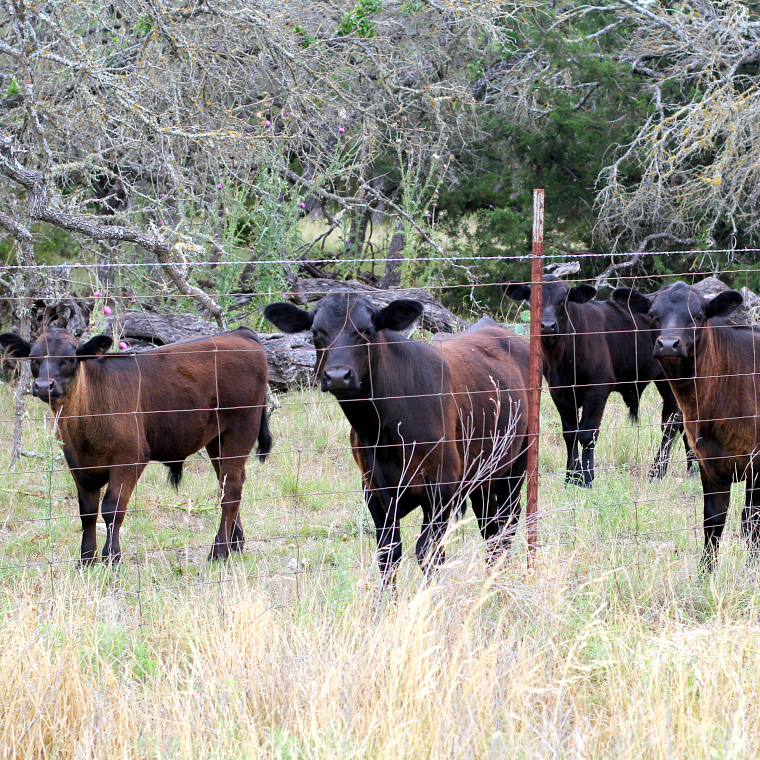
534 384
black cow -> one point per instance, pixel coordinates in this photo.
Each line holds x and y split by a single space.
590 349
714 370
429 426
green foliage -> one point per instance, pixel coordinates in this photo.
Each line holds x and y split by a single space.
305 39
14 88
357 20
258 225
412 7
144 25
587 101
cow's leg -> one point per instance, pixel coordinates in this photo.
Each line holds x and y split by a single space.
751 514
568 414
692 463
119 490
481 505
388 532
237 539
716 500
672 423
588 432
89 501
436 510
503 526
229 465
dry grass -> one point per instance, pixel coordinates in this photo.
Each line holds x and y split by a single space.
613 648
562 665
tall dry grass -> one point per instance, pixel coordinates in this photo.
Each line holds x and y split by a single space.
573 662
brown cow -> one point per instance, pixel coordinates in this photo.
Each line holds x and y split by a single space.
714 371
430 426
117 412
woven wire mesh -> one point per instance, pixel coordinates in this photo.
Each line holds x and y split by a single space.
303 509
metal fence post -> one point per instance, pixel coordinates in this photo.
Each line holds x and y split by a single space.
534 384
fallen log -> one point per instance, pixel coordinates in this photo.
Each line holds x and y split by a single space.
435 317
144 330
746 314
291 359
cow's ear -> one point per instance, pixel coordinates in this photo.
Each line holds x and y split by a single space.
628 298
14 346
517 291
397 315
724 303
95 346
288 318
581 294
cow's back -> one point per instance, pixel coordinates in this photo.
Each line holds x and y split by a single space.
226 371
489 379
166 400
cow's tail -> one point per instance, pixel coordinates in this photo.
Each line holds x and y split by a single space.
175 473
265 435
631 399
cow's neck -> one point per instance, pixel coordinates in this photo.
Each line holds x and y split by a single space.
403 376
89 404
563 352
705 381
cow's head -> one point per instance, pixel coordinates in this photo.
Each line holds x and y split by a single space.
344 326
676 314
55 358
555 296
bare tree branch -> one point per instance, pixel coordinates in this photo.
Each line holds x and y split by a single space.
602 281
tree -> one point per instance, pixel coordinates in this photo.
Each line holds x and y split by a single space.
693 167
202 131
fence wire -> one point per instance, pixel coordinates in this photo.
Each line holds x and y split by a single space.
303 510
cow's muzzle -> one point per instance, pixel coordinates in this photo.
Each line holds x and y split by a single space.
339 378
46 390
669 347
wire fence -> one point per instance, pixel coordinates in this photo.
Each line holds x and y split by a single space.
303 510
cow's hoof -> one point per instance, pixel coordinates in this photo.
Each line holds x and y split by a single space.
238 539
218 553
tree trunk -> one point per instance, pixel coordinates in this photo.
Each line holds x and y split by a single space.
392 276
354 244
29 275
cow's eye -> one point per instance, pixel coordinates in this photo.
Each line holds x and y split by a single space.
652 316
35 364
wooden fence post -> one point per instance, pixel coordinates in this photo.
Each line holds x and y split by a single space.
534 384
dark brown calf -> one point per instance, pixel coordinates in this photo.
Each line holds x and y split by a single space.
117 412
430 427
590 350
714 371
